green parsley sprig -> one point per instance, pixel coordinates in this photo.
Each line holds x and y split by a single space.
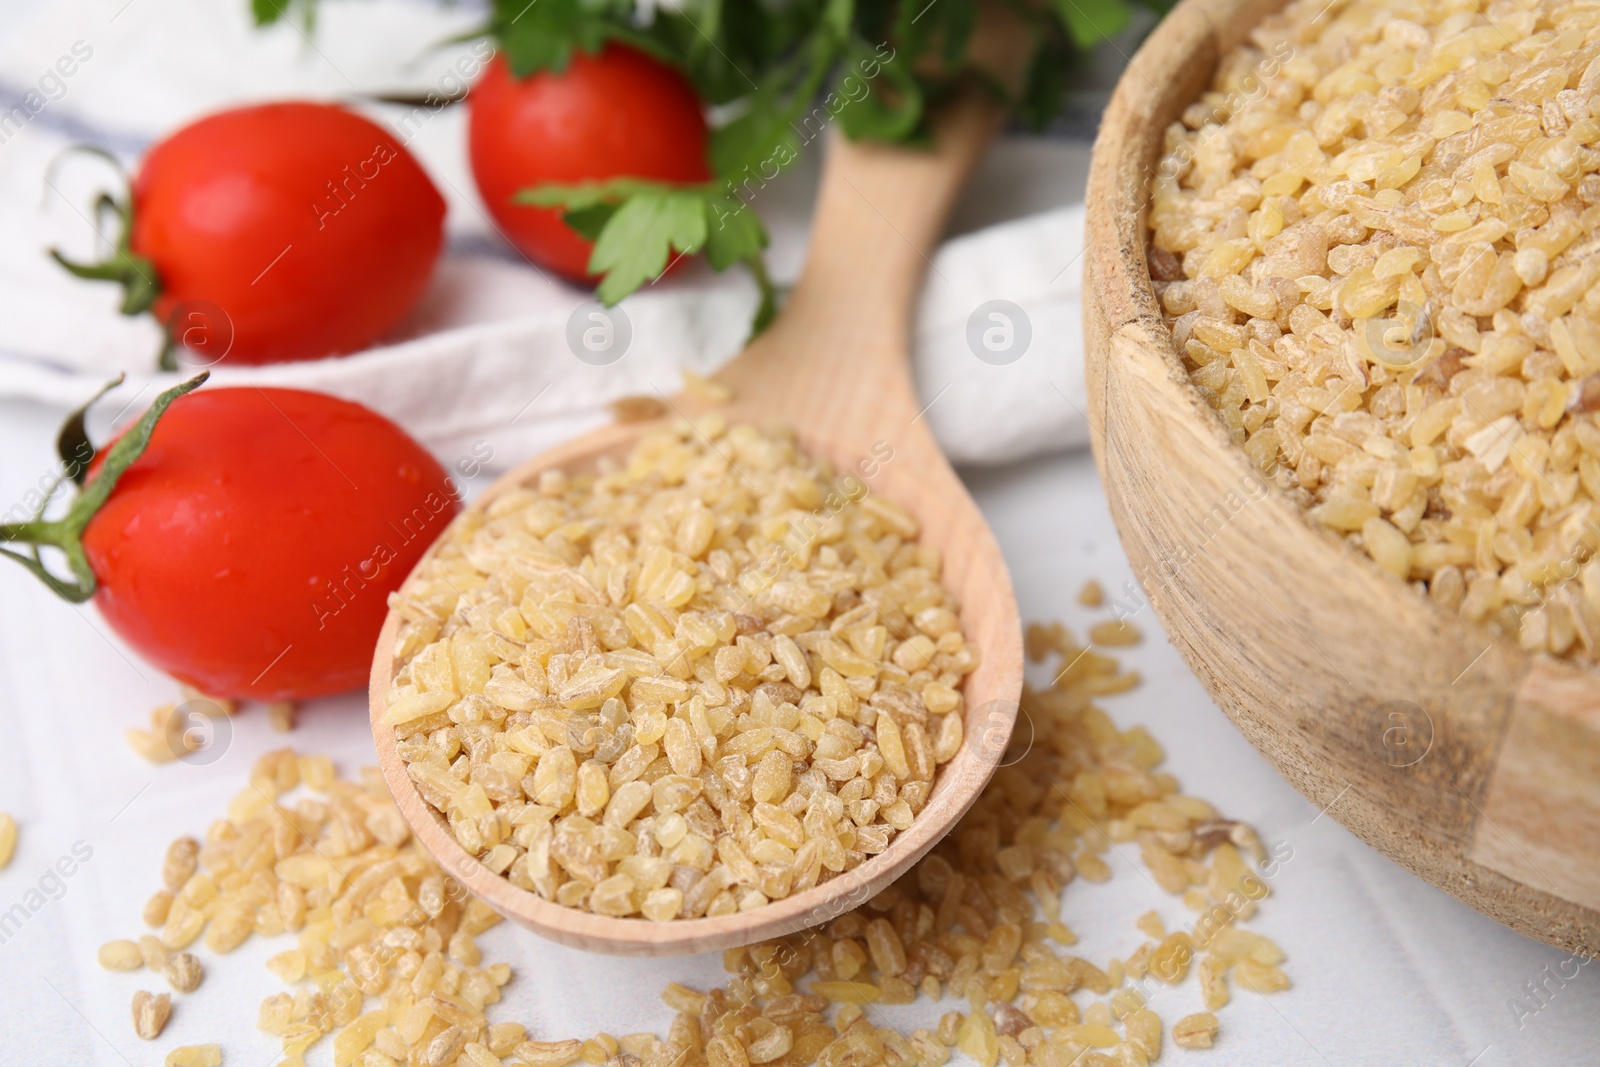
639 227
780 71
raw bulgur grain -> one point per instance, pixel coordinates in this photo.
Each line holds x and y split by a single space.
220 705
1115 633
1195 1031
1213 986
183 972
706 389
1377 243
1260 977
178 867
153 952
281 715
150 1014
380 929
168 737
637 409
152 743
157 907
121 955
196 1056
704 681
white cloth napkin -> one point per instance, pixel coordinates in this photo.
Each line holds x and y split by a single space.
482 372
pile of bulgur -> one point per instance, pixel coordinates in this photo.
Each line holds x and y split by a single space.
708 678
386 958
1377 242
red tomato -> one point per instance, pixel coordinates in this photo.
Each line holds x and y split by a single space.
618 113
250 551
308 226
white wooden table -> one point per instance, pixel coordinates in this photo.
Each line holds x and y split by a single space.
1386 969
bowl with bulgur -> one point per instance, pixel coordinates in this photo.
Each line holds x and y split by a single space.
1344 362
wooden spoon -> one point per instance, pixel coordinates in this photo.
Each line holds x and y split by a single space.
1448 748
834 365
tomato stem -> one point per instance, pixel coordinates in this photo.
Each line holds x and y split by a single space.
73 444
66 533
137 275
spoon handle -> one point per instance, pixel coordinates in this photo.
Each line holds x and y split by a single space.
840 344
880 212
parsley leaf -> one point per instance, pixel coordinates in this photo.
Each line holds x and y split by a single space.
640 239
880 97
765 130
267 12
590 219
639 226
1089 21
734 232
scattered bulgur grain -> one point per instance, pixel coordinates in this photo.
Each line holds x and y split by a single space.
503 1037
183 972
222 705
637 409
1378 258
719 630
121 955
8 839
152 743
1092 595
195 1056
153 952
1093 868
281 715
158 907
978 1039
150 1014
381 957
168 738
184 923
1260 977
1195 1031
548 1053
1115 633
1143 1028
707 389
178 867
1213 985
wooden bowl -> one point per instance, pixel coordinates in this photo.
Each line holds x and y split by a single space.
1448 748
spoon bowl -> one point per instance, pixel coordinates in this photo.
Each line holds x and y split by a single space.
835 367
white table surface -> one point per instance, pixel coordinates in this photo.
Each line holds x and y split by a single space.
1386 969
